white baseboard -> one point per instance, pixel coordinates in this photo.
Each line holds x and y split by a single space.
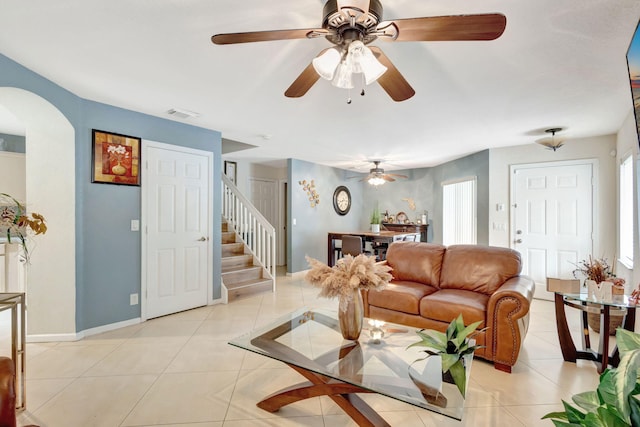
79 335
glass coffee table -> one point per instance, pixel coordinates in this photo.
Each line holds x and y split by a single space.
588 304
310 342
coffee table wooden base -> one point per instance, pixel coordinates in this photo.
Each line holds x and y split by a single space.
602 358
342 394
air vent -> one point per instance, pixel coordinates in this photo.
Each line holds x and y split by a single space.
182 114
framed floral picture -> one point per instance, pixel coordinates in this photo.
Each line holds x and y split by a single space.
115 158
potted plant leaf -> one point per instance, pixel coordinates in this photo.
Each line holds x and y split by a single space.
614 402
451 345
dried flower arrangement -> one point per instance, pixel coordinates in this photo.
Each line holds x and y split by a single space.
596 269
349 275
15 222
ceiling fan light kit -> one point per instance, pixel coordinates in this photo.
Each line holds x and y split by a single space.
351 25
377 176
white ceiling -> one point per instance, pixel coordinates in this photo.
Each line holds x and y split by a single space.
560 63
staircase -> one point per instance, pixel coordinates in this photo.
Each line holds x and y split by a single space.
240 275
248 246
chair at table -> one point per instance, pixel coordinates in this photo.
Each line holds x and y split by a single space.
352 245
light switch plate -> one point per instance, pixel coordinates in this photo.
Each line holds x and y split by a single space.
135 225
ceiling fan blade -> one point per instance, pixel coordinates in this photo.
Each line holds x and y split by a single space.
387 178
398 175
444 28
305 80
392 81
264 36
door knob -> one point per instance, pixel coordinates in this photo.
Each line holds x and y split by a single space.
519 241
518 231
202 239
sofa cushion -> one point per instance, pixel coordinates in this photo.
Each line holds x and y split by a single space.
446 304
416 262
478 268
401 296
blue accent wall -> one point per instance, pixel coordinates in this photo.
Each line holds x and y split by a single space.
309 235
108 258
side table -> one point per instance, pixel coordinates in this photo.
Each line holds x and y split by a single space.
602 358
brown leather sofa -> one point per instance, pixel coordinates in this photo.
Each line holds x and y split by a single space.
432 284
8 394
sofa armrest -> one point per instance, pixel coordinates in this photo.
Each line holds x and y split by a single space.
508 319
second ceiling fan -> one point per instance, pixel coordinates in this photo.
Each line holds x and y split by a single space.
351 25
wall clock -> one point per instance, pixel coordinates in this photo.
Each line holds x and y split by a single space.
342 200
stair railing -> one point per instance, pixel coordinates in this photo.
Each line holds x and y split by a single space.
252 227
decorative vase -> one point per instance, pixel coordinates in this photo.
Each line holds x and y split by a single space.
119 169
375 228
351 315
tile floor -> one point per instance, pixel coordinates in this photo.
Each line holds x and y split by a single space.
179 371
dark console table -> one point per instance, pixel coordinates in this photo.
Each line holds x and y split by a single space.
408 228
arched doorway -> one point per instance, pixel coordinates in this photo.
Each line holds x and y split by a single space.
50 190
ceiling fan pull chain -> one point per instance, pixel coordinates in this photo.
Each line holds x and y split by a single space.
364 83
348 96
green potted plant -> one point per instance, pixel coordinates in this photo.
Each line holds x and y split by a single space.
451 345
615 402
375 219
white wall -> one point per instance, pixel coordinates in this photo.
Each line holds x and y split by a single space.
599 148
627 143
50 191
13 178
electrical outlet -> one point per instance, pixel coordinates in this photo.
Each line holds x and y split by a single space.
133 299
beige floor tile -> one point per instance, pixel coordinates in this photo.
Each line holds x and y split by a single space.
571 377
167 330
530 416
202 353
40 391
279 422
136 358
207 424
66 361
96 402
523 385
225 329
255 385
185 398
473 417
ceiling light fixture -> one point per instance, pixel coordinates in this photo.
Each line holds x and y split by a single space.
375 180
551 143
339 65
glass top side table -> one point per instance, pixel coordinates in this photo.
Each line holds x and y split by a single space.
584 303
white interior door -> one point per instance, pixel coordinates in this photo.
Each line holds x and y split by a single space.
553 219
177 198
264 196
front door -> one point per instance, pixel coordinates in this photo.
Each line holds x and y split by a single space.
553 222
177 248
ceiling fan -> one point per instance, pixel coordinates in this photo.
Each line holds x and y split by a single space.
353 24
378 177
